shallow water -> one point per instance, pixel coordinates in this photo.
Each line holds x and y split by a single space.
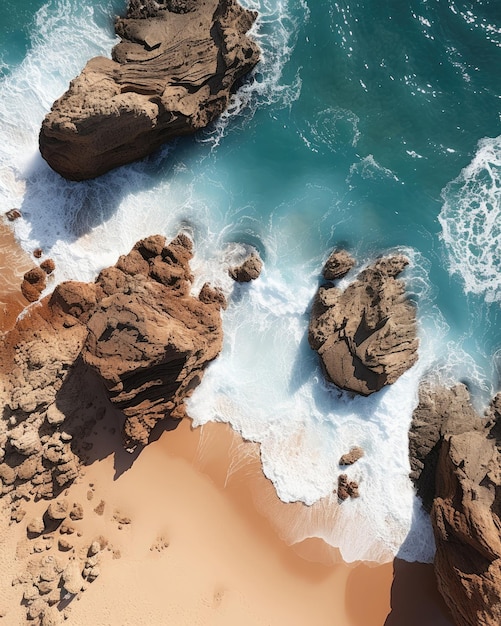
370 125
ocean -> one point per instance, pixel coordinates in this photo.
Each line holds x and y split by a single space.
373 126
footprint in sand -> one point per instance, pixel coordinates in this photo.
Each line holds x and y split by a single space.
160 544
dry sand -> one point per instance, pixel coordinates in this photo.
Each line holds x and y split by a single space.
188 541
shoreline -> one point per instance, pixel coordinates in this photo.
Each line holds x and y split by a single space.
200 547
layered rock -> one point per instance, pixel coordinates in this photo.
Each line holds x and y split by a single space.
148 338
143 333
466 502
365 335
173 73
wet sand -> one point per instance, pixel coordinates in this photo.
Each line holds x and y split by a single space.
193 531
14 262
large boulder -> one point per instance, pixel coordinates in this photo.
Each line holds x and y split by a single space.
148 337
365 335
173 73
460 451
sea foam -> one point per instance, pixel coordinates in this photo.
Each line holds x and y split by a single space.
471 221
267 382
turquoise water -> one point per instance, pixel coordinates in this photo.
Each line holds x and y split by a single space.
370 125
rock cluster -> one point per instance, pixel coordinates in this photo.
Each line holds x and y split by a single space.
365 335
173 73
456 461
138 327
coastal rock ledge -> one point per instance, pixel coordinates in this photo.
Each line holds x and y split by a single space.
366 335
455 458
172 74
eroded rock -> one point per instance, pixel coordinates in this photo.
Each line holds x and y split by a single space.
173 73
366 335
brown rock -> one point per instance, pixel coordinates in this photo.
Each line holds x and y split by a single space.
440 412
149 339
33 284
249 270
58 510
72 577
48 266
36 526
37 253
64 545
352 456
173 73
346 488
77 512
461 454
366 335
338 265
13 214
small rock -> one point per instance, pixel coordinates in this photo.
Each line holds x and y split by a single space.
77 512
54 415
48 266
94 548
249 270
64 545
67 528
346 489
37 253
30 593
51 617
100 508
352 456
72 577
35 526
13 214
37 608
58 509
338 265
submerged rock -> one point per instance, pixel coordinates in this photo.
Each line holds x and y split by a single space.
173 73
366 335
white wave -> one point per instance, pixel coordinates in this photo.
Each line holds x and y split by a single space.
303 425
471 221
275 31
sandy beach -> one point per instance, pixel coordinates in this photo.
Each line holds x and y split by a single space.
189 532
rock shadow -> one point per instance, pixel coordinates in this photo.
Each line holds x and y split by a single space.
94 424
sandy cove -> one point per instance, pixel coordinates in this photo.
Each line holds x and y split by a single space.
184 543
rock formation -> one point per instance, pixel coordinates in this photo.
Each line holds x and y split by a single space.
148 338
465 456
138 327
366 334
172 74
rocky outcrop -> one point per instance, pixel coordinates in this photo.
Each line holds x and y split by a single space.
365 335
148 337
173 73
137 328
465 456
